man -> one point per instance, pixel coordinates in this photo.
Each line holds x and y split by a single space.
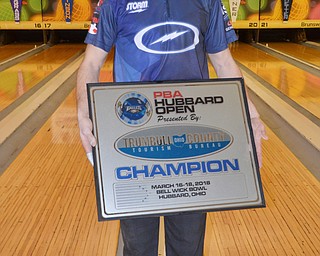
159 40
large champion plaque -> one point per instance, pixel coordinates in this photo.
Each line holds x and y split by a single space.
173 147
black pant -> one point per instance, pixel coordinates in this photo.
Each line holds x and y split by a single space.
184 235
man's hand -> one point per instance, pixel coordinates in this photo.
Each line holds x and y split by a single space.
87 138
89 72
259 133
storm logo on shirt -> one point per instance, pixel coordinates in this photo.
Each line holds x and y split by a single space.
133 109
171 38
134 7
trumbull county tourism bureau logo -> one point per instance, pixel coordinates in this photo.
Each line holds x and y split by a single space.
173 142
133 109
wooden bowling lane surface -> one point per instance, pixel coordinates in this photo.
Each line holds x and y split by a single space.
297 84
298 51
290 223
47 196
18 79
48 205
12 50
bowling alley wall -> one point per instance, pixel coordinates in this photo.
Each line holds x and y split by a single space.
76 14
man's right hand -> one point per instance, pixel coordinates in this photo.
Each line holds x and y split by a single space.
88 72
87 138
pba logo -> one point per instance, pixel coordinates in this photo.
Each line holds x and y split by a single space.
133 109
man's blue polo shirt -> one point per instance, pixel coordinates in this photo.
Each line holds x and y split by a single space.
160 39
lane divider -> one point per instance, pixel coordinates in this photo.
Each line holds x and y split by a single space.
303 125
17 59
17 128
11 122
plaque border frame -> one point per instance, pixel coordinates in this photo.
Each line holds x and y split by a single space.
92 86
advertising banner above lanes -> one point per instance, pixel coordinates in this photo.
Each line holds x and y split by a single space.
77 14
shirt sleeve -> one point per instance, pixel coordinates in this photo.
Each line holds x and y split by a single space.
220 31
103 29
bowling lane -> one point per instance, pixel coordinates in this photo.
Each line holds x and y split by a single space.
298 51
12 50
18 79
47 202
298 85
47 195
290 223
